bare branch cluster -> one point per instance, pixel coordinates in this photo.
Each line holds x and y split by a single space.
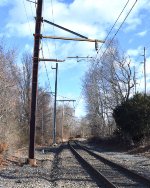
108 82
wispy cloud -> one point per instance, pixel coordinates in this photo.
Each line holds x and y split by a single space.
91 19
4 2
142 33
134 52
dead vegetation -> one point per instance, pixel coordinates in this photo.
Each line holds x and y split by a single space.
3 149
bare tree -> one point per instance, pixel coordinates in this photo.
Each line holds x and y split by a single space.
8 97
107 83
44 117
24 87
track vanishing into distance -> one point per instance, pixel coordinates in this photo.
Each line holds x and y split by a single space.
105 172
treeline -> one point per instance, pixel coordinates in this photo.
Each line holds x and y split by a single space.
15 99
109 85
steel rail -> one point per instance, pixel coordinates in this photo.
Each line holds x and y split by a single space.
119 166
92 169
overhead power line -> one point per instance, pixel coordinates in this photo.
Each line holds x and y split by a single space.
114 24
27 16
79 99
124 20
46 69
119 28
53 26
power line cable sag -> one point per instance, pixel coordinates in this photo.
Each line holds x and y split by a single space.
123 21
118 29
52 13
46 68
114 24
32 9
54 35
48 76
46 40
52 10
27 16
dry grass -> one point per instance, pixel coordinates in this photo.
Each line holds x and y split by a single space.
3 147
3 162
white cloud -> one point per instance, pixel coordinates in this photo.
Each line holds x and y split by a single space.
134 19
4 2
142 33
20 29
135 52
90 18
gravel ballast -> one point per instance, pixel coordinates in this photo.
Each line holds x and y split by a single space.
57 167
136 162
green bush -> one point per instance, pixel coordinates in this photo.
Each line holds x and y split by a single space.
133 117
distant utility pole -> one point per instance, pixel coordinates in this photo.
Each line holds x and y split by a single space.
37 37
144 62
144 70
134 81
62 125
54 123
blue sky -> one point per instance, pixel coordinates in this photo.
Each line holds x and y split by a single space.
91 18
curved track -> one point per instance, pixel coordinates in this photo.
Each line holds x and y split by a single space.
108 173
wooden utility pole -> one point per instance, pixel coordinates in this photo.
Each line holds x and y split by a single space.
37 37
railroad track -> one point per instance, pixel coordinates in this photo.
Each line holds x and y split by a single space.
105 172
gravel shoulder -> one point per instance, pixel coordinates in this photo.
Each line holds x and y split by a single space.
17 174
57 167
138 162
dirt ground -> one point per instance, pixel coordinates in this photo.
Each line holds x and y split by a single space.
141 150
115 145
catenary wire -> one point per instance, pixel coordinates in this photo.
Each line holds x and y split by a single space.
114 25
27 16
118 29
46 69
52 10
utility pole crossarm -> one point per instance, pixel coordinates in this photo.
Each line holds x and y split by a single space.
66 100
74 39
53 60
78 57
